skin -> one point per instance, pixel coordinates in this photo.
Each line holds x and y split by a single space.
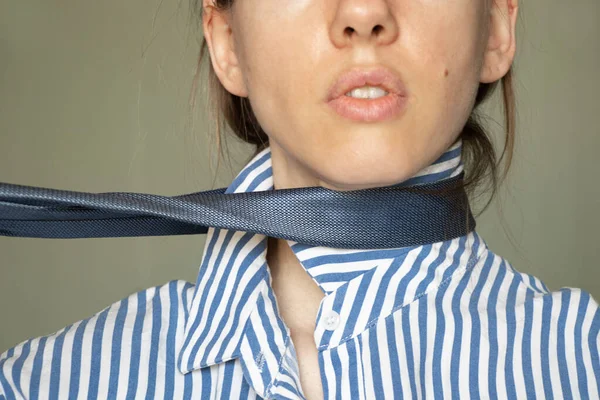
285 54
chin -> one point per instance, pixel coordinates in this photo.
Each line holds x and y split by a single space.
352 174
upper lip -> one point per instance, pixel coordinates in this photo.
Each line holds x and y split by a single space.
358 77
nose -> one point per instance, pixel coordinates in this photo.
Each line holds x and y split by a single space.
361 22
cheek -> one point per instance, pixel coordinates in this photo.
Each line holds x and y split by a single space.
444 86
449 75
263 70
460 83
443 43
280 85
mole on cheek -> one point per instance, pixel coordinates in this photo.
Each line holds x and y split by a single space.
445 71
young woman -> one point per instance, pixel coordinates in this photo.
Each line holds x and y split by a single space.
344 94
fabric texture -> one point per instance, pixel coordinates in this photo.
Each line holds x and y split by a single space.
445 319
382 217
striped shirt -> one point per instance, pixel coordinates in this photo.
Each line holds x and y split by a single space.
447 319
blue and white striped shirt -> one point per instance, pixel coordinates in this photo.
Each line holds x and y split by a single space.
448 319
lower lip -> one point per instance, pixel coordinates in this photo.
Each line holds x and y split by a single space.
369 110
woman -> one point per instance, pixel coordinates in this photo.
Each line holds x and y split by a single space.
438 320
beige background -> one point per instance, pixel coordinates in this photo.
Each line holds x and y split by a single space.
93 98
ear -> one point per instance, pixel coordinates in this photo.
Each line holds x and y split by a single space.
501 45
217 31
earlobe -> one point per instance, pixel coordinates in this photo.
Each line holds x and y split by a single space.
219 39
501 46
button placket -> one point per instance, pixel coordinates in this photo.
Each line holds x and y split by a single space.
331 320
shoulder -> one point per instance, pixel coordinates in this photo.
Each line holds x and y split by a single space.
492 274
568 316
552 334
495 285
33 366
567 305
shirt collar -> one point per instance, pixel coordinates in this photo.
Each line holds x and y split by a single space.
234 282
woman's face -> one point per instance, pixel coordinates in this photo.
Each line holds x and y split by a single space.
284 55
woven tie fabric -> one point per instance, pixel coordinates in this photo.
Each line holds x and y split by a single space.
380 217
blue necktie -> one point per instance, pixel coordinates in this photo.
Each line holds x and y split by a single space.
383 217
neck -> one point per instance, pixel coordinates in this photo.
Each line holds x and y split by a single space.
288 173
298 296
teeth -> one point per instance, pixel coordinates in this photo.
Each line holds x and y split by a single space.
367 92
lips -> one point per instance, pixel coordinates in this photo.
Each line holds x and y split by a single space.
359 77
388 107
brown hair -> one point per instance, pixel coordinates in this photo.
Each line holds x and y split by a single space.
478 154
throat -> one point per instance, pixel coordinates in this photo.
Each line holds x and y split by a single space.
298 296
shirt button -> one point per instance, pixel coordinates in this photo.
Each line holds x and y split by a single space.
332 320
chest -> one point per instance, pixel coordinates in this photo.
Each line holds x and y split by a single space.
298 299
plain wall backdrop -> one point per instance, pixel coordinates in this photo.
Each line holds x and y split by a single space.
93 97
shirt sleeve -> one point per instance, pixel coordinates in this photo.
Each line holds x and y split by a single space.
577 342
594 336
84 359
